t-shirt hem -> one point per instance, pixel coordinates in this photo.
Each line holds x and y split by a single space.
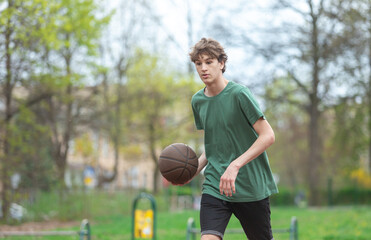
257 117
241 199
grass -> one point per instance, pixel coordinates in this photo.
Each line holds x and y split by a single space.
110 218
340 223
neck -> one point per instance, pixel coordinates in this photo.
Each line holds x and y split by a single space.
216 87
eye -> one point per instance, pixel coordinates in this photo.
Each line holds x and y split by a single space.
209 62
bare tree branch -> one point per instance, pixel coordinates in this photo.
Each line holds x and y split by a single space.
298 82
283 4
32 102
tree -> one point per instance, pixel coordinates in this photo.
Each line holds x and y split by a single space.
158 103
78 30
354 18
20 35
309 53
29 151
284 113
117 54
350 137
308 43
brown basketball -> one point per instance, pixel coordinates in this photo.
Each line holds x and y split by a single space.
178 163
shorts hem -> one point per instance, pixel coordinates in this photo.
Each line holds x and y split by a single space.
212 232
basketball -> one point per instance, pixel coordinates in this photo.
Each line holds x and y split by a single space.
178 163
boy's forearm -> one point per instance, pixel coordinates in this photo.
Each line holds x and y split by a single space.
202 162
260 145
265 139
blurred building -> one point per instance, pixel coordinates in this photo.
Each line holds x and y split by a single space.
135 170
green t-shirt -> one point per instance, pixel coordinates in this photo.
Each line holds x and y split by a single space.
227 121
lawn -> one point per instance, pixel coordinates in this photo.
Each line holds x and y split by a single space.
340 223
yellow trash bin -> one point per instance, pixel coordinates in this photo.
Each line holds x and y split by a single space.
144 220
143 223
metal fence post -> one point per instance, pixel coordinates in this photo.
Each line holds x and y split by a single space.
294 229
85 230
190 229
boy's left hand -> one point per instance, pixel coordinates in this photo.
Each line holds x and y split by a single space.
227 180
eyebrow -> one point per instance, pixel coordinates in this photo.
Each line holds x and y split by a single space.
207 59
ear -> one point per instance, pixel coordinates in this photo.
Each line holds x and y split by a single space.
221 65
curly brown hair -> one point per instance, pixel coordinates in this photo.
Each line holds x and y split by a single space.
210 47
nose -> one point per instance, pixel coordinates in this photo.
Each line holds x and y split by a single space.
203 67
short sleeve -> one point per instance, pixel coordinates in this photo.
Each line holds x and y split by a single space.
249 106
196 116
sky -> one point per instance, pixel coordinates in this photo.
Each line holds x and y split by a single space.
173 15
243 64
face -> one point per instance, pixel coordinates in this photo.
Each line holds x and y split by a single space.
209 69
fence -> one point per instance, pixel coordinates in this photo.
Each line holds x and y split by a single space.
84 233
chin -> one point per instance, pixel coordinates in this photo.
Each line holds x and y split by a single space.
208 80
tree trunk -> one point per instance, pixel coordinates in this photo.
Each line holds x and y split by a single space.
61 166
369 120
314 114
8 89
61 147
189 34
314 155
117 125
369 97
6 157
152 148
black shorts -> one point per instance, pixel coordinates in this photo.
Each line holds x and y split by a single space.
253 216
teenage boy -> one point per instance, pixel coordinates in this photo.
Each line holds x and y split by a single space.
238 178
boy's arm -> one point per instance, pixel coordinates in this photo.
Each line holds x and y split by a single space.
265 139
202 162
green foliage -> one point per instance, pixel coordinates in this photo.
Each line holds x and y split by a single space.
84 146
156 105
132 151
288 120
351 138
344 196
159 98
352 196
29 153
150 85
38 40
285 197
343 132
362 177
78 25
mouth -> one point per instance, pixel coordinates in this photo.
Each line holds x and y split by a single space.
205 75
